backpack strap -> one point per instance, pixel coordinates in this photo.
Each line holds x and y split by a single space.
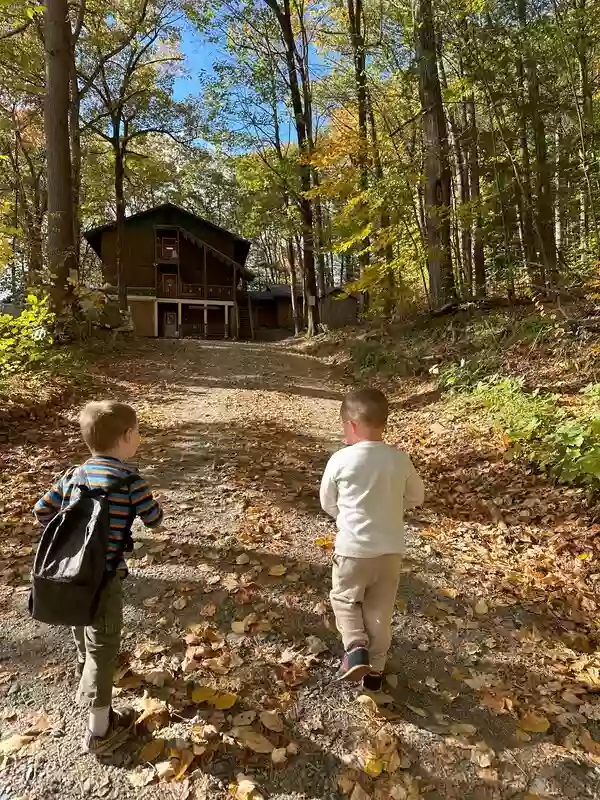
126 481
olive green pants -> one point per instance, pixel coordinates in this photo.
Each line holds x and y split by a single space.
98 647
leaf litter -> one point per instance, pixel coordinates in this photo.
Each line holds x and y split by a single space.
503 655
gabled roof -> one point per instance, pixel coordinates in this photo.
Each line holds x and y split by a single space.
94 235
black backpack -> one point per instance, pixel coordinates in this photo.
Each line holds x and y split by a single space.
69 570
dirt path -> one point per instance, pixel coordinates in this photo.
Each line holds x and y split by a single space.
235 439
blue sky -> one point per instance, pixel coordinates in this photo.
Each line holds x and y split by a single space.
199 56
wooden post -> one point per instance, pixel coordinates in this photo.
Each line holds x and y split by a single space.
250 317
205 275
235 304
226 321
205 319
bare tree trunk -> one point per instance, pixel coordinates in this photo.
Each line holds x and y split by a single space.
357 42
120 200
534 270
474 191
61 246
442 289
302 127
293 281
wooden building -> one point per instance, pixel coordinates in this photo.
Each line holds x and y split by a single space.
272 308
184 276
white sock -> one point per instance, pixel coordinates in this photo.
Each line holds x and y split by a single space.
98 722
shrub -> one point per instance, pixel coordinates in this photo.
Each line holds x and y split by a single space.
563 443
25 339
369 357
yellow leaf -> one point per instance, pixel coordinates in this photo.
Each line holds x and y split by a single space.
277 571
185 759
373 766
534 723
279 755
224 701
152 750
202 693
326 542
151 707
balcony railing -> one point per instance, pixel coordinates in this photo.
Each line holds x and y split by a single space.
198 292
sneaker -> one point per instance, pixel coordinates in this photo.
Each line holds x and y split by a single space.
118 723
373 681
355 664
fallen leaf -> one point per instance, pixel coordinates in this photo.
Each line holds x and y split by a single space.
209 610
141 777
202 693
373 766
279 755
242 559
325 542
448 592
180 603
252 740
272 721
165 770
184 760
346 780
418 711
534 723
152 750
315 645
246 789
14 743
277 571
462 729
224 701
590 744
481 607
151 707
244 718
238 626
358 793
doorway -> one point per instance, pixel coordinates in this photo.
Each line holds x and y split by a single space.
168 325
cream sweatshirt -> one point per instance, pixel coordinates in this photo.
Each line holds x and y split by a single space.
366 487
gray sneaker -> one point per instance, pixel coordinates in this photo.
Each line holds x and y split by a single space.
119 723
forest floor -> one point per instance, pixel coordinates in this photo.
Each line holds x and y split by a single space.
229 648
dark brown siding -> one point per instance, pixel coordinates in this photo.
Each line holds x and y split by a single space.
142 314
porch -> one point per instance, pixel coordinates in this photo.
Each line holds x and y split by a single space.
178 319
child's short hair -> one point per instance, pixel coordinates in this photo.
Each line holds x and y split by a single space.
104 422
369 406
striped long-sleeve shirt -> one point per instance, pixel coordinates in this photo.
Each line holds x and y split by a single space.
101 471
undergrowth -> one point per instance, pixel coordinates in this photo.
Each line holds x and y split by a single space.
563 441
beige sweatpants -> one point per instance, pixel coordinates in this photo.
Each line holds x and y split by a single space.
363 596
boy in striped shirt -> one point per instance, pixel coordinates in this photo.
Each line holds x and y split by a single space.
110 430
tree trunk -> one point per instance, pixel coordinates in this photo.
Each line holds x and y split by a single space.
120 200
294 283
61 246
305 204
534 270
389 300
437 198
75 143
357 42
474 191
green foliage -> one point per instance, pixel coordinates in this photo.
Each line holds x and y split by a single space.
459 377
25 339
559 441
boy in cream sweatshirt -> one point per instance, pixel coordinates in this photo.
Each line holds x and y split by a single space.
366 488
